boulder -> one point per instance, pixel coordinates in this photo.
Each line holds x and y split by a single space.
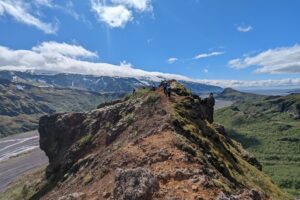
135 184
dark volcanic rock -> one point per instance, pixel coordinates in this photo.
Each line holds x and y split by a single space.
246 195
135 184
56 141
252 160
220 128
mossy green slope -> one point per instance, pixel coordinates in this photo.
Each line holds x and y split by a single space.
269 128
220 152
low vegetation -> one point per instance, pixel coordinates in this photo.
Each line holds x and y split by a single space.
269 128
24 187
223 154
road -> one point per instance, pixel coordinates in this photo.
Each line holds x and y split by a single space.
19 154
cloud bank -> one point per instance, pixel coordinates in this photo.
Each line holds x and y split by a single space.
284 60
70 58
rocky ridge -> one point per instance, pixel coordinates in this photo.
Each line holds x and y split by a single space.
147 146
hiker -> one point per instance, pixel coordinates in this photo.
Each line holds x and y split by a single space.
168 91
133 91
165 85
210 102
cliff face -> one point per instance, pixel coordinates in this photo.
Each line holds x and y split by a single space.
147 146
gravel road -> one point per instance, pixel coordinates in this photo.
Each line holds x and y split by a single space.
19 154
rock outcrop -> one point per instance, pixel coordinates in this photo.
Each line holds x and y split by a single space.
135 184
147 146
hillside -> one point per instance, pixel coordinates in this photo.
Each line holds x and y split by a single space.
235 95
268 127
103 84
295 91
21 105
145 146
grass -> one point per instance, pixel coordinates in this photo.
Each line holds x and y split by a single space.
202 140
260 126
87 178
151 99
128 119
24 187
85 140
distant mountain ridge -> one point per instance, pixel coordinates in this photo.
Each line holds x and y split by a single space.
295 91
289 104
235 95
22 104
102 84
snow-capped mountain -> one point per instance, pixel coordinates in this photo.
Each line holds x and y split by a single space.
103 84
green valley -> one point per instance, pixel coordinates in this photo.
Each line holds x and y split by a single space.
269 127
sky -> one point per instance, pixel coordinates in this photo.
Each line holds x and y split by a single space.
241 44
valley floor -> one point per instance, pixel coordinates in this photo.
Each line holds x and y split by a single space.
18 155
272 137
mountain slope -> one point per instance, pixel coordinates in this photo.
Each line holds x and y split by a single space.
21 105
97 83
146 146
268 126
235 95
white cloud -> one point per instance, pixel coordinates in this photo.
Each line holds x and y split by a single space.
114 16
206 55
271 83
47 3
140 5
22 11
205 71
172 60
273 61
117 13
70 58
69 9
244 28
64 49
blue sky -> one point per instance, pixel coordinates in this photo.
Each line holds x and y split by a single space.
246 43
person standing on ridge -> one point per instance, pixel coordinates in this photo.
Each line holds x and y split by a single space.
165 85
168 90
